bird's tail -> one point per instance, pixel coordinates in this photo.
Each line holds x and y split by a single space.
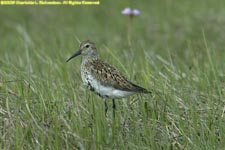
146 91
141 89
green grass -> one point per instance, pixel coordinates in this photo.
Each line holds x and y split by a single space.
177 51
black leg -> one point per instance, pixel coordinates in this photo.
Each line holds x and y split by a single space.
114 108
114 104
106 107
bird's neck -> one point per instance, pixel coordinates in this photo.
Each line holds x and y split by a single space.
89 58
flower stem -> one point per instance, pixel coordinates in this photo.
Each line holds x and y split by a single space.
129 30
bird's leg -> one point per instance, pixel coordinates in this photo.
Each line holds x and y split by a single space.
114 104
106 108
114 107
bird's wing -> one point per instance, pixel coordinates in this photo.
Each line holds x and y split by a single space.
110 76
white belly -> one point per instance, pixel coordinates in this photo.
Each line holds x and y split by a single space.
106 92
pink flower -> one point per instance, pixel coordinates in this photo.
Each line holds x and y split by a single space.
129 12
136 12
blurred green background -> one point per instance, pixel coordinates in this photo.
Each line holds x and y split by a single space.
176 50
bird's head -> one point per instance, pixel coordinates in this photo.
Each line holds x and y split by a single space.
87 48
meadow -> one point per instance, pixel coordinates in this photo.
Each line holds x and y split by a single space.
176 49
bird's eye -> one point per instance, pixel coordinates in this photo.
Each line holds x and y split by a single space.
87 46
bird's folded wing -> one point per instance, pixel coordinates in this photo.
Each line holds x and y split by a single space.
109 76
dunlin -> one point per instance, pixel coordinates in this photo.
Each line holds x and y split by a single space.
102 78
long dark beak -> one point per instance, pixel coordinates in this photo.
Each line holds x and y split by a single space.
74 55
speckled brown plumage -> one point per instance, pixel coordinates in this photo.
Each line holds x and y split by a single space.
109 76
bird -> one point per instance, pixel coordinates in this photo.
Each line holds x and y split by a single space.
102 78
